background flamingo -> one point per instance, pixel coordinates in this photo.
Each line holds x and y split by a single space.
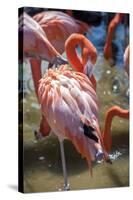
69 103
58 26
37 47
115 110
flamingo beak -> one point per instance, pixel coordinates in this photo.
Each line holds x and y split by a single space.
88 68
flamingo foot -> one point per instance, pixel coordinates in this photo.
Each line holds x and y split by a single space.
66 187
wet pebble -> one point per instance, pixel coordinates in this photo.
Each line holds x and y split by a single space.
34 141
24 100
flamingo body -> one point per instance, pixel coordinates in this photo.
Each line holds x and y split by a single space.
36 44
58 26
69 103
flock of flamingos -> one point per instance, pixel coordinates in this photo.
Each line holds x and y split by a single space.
67 91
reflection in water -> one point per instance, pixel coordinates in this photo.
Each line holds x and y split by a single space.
42 162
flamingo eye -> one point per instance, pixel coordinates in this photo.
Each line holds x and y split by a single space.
88 131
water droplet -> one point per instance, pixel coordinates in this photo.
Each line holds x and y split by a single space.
35 105
24 100
41 158
108 72
109 93
121 121
34 141
116 85
115 155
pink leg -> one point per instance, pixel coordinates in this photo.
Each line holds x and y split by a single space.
36 73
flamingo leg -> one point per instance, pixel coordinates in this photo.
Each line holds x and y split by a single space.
36 73
66 184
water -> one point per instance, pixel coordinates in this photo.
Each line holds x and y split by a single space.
42 163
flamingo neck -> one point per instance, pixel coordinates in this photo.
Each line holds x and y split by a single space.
111 113
87 48
112 26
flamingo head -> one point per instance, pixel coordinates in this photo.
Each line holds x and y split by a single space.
95 144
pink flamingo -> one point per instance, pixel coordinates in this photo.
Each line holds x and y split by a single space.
83 64
115 110
69 103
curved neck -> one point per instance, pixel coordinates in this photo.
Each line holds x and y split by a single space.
87 48
112 112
